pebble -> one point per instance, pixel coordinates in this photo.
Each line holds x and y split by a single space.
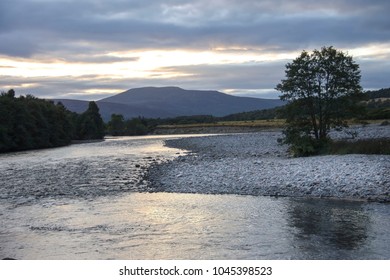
255 164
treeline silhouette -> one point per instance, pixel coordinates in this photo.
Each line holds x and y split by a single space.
381 93
118 126
27 122
378 104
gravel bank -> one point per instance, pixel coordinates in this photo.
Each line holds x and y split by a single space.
254 164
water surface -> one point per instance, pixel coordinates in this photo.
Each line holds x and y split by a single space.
89 202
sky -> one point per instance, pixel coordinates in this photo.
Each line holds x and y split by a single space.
91 49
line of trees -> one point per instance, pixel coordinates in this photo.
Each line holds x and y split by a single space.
27 122
378 104
118 126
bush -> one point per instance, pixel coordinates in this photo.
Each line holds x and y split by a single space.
367 146
303 144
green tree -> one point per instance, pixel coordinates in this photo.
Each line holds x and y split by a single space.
322 89
116 126
27 122
136 126
90 124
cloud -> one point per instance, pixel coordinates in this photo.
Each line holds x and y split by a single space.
99 32
121 25
97 58
62 87
375 74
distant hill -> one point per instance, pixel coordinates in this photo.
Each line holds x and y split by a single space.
180 102
164 102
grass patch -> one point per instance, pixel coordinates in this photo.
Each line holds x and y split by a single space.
274 123
380 146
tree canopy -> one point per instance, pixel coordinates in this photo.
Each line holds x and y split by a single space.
90 124
118 126
322 89
27 122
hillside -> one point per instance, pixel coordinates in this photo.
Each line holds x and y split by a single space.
168 102
175 101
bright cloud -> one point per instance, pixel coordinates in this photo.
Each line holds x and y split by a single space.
91 48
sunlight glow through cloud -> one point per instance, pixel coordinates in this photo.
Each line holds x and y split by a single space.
147 65
371 51
88 47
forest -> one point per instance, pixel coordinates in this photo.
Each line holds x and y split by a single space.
27 122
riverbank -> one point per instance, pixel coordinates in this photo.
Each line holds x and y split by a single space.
254 164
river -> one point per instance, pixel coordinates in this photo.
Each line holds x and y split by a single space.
89 201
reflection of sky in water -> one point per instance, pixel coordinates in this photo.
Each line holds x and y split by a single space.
82 202
138 145
84 170
195 226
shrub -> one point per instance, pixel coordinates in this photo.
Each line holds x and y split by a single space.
365 146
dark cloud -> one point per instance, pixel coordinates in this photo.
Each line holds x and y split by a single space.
375 74
195 24
87 31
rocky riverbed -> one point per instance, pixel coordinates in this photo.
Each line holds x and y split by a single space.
255 164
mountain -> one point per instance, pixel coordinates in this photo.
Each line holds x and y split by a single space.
163 102
180 102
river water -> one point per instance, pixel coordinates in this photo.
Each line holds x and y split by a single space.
89 201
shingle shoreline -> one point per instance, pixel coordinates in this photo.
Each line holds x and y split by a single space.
255 164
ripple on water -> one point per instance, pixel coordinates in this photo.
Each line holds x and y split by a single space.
80 171
81 202
196 226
